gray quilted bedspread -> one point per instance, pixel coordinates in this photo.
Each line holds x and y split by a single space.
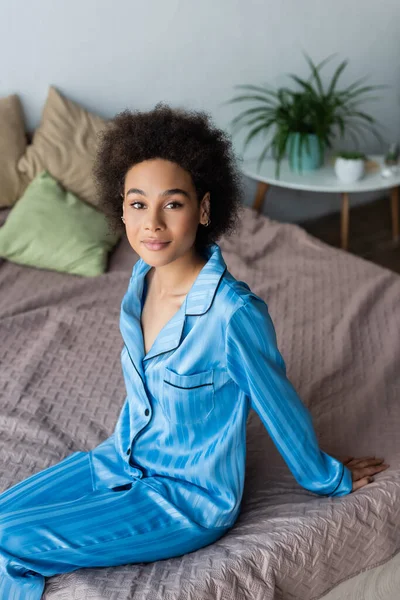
337 319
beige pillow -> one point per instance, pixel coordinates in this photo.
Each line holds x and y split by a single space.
12 147
65 144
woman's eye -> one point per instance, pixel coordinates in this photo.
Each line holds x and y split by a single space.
174 202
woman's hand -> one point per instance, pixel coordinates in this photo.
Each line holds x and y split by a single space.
363 468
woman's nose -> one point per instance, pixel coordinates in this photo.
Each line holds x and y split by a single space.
153 219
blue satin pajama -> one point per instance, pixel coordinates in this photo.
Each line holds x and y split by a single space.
169 479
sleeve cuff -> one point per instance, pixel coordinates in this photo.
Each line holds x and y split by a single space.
345 485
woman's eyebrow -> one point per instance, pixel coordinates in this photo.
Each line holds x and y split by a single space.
165 193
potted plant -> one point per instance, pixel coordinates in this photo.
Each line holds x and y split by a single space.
350 166
306 118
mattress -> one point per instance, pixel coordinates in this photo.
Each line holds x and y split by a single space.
337 319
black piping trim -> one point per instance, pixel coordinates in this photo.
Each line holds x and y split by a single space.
133 363
181 387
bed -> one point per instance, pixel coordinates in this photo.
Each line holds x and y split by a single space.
337 319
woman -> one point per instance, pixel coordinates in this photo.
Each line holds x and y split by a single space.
199 350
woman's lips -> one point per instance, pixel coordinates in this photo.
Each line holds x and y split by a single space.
155 245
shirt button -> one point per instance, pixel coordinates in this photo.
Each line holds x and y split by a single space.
128 451
147 412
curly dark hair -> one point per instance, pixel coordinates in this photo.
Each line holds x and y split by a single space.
185 137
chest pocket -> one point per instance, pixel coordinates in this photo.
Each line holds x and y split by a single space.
187 399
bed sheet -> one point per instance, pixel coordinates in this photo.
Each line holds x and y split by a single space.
337 319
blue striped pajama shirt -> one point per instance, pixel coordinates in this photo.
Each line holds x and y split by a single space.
169 479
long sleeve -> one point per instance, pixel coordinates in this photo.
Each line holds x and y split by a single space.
257 367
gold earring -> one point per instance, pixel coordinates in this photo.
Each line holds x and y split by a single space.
207 224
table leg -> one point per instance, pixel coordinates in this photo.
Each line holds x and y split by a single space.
395 212
345 221
262 189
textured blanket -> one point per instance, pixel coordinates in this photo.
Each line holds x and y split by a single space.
337 319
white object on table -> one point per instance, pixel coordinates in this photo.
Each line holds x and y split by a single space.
349 170
324 180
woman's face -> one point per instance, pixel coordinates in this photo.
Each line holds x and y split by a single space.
160 202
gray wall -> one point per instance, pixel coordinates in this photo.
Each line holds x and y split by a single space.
129 54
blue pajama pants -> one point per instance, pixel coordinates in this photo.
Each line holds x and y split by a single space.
55 522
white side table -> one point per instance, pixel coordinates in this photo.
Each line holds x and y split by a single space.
325 180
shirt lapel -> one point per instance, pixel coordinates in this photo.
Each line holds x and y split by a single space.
131 309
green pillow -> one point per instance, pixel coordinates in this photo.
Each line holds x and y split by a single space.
51 228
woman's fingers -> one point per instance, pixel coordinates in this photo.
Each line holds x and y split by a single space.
366 459
365 471
360 483
346 459
360 463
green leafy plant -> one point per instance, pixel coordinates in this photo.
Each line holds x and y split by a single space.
351 155
311 109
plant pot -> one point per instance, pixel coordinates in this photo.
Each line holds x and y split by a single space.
349 170
310 156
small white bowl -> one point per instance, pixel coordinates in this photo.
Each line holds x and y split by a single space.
349 170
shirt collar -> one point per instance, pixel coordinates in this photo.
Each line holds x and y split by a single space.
203 290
